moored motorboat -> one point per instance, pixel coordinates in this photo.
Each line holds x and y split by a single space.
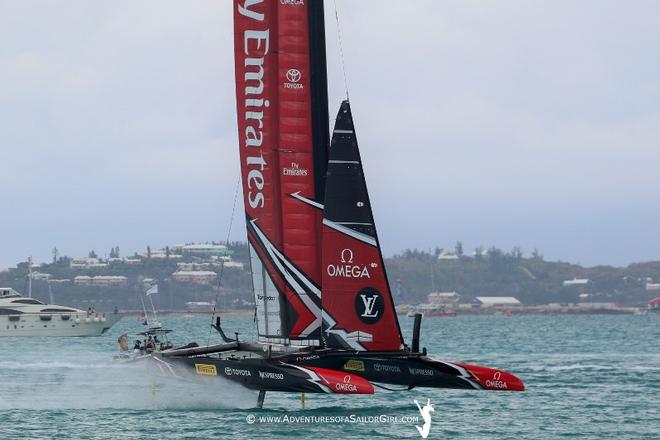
22 316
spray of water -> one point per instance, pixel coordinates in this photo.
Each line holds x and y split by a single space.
81 384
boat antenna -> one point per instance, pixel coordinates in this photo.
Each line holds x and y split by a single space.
341 51
153 309
50 292
30 276
222 267
144 309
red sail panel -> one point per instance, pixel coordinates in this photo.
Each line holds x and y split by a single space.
275 133
255 52
357 304
300 221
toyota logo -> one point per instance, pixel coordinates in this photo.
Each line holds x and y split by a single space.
293 75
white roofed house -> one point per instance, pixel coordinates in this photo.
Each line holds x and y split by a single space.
442 297
82 280
87 263
576 282
448 256
194 276
497 301
101 281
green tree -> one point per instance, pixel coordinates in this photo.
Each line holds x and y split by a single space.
459 249
479 253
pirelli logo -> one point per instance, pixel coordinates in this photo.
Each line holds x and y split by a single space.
206 369
354 365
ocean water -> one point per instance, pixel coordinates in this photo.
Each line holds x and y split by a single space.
587 377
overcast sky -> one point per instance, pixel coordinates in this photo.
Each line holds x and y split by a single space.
517 123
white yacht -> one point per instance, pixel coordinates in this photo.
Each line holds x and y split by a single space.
22 316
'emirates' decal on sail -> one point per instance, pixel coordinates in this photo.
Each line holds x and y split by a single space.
294 170
256 44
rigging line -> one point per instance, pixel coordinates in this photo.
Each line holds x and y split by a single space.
222 268
341 51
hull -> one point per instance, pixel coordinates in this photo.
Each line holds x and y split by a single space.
331 371
58 325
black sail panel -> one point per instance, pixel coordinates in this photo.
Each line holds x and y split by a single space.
358 310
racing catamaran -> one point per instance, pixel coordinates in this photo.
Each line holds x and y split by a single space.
324 309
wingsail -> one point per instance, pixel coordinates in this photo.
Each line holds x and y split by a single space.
358 309
283 149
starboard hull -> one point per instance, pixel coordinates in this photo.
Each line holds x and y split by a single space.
336 371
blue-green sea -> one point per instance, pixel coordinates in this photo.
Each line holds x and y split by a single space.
587 377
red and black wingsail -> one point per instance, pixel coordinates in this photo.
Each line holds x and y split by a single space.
358 310
280 78
309 220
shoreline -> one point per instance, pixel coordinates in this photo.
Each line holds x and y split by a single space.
531 311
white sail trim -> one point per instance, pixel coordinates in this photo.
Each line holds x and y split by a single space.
278 259
355 162
352 339
296 195
348 231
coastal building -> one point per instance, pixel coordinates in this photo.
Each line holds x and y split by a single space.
201 250
200 306
189 267
82 280
443 297
497 301
204 277
448 256
576 282
101 281
652 286
236 264
110 280
160 254
87 263
41 276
